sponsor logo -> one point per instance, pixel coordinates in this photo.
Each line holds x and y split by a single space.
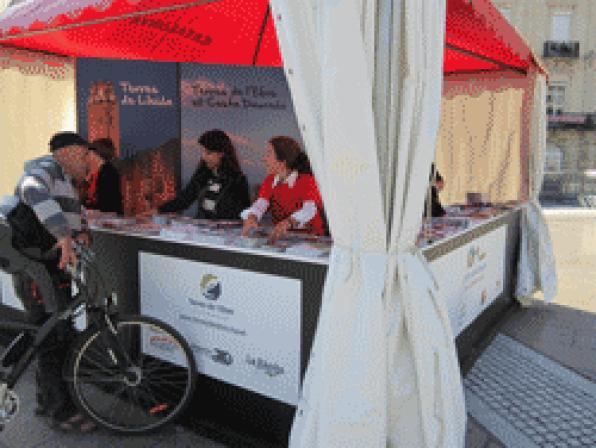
270 369
217 355
210 287
222 357
163 342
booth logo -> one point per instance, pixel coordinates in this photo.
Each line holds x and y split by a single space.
210 287
475 255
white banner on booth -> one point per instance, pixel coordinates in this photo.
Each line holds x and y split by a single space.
243 327
472 277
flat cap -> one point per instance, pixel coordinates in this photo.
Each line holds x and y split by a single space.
63 139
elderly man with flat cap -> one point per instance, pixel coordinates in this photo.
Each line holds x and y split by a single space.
48 215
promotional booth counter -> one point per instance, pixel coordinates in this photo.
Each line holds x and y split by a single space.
250 310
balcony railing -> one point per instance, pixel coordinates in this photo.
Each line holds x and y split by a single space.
561 49
577 121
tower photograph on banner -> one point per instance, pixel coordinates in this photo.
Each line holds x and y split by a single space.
136 105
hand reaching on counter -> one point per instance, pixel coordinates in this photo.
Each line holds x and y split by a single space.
249 224
149 212
279 231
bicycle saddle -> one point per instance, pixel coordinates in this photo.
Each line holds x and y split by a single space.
13 261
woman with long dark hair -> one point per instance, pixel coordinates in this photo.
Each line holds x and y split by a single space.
289 193
218 184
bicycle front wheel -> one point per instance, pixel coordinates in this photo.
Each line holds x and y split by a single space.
135 379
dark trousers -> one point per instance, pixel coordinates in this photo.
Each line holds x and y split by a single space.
53 397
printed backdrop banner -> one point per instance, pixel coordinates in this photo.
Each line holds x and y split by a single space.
251 104
136 104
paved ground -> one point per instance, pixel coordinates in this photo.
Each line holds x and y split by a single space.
564 330
564 335
30 431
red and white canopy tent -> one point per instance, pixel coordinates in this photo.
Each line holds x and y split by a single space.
236 32
366 82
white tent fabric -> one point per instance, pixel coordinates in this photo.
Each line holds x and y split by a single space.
38 96
344 392
383 369
536 267
417 313
481 132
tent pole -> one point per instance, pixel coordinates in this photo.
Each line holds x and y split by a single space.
131 15
484 58
261 33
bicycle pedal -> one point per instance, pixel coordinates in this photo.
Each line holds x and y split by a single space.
158 408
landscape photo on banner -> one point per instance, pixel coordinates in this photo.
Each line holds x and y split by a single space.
136 104
251 104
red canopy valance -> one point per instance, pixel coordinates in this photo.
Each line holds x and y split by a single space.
226 32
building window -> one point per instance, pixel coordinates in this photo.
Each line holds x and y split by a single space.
505 12
555 100
554 159
560 26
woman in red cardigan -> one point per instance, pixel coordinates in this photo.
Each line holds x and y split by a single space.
289 192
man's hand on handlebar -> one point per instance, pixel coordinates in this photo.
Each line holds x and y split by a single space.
67 253
84 238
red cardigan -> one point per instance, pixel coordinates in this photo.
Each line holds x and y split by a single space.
285 200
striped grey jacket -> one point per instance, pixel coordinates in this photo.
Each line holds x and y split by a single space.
49 191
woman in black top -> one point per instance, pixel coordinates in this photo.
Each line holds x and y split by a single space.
104 192
437 184
218 184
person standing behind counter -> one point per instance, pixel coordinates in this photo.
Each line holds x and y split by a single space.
437 185
218 184
290 192
104 192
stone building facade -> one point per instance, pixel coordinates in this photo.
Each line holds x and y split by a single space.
563 34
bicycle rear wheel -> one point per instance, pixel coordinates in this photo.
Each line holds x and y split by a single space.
144 391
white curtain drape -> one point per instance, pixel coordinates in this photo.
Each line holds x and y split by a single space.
536 266
37 99
383 369
419 327
344 391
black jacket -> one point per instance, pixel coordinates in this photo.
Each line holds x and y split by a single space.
108 192
231 197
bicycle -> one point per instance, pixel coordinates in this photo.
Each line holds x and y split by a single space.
130 374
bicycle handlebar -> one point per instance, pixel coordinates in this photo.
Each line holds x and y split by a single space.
94 286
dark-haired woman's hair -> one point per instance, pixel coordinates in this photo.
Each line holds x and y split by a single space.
218 141
288 150
104 147
435 176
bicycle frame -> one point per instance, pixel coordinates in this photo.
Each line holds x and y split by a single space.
41 333
118 353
